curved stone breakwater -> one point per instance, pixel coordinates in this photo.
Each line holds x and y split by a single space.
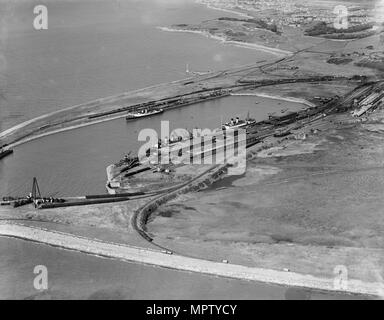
161 259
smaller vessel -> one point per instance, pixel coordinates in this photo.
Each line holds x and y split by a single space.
128 161
238 123
143 113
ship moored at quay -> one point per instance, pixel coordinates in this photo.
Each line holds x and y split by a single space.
142 175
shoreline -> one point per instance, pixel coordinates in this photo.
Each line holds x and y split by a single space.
223 40
158 258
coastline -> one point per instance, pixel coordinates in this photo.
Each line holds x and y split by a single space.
210 6
173 261
246 45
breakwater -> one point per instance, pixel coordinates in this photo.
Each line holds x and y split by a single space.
163 259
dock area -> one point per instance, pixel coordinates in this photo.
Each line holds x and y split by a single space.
147 174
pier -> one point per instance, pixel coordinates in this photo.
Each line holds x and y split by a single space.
40 202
